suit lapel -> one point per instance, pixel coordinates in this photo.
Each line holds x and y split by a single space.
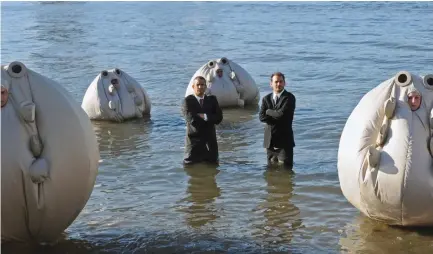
197 102
271 101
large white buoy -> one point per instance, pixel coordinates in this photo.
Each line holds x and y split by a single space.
230 83
49 156
115 96
385 154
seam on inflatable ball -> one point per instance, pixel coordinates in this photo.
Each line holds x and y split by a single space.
403 186
42 210
380 120
407 160
362 175
389 94
27 220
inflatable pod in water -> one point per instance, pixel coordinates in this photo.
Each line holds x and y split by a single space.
115 96
230 83
385 153
49 156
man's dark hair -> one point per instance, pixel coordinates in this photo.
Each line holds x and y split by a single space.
199 78
278 74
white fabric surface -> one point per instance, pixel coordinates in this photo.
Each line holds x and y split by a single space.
235 88
49 157
399 190
126 100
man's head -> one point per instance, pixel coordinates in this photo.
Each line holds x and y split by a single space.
4 96
277 82
219 73
414 100
199 85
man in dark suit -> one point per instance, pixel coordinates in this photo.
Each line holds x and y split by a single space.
277 112
202 113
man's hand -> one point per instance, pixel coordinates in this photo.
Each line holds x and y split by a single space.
203 116
267 111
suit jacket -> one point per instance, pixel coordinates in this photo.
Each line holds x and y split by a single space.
200 132
278 119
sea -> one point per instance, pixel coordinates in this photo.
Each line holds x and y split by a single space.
144 199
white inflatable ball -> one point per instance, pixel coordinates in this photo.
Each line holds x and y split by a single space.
385 153
230 83
115 96
49 156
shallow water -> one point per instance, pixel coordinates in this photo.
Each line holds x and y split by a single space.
144 199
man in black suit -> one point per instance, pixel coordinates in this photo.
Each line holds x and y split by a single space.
277 112
202 113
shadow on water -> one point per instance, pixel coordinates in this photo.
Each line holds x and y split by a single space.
202 191
234 130
240 138
122 139
281 216
63 245
240 115
148 242
365 235
273 234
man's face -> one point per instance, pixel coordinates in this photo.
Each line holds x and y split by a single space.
277 84
414 100
199 87
4 96
219 72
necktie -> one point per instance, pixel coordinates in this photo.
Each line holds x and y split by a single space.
276 100
201 102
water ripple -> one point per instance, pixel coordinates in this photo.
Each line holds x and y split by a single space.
144 200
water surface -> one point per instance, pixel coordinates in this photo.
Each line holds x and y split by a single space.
144 200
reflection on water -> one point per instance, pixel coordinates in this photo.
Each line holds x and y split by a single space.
236 133
365 235
123 139
201 193
281 216
237 116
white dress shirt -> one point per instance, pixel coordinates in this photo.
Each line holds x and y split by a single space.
276 96
198 99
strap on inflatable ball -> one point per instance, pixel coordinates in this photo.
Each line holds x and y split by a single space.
26 109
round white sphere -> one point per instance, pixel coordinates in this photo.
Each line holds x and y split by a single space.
115 96
49 156
385 164
233 87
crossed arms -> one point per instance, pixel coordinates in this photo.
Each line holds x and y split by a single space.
271 116
196 119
